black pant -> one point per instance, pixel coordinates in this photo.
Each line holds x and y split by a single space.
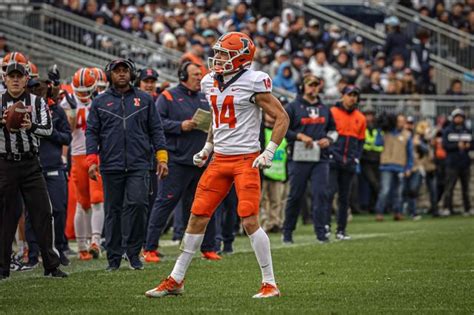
25 176
452 175
340 181
56 183
126 206
370 171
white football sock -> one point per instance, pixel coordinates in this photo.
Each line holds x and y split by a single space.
261 246
189 245
88 218
80 227
97 222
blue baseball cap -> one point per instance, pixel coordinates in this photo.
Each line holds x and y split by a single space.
350 89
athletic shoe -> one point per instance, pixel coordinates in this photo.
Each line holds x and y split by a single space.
135 263
471 212
112 268
70 252
167 287
379 217
445 213
323 241
398 217
55 273
267 291
210 256
3 277
63 259
416 217
84 255
342 236
227 250
151 256
328 231
94 250
30 265
287 239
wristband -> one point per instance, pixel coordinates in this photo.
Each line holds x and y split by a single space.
271 146
162 156
208 147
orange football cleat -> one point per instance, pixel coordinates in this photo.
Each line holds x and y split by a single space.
167 287
94 250
84 255
211 256
151 256
267 291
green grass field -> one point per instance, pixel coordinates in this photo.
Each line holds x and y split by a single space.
391 267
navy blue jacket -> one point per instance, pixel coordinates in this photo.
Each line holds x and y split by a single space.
175 106
125 129
452 134
313 120
51 148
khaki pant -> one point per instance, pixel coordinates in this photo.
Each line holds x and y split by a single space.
274 196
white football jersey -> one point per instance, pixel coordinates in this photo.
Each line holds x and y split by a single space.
236 119
78 143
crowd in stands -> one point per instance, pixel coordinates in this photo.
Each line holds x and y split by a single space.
460 14
288 45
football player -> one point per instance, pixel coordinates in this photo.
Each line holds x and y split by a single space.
13 56
101 84
89 217
237 96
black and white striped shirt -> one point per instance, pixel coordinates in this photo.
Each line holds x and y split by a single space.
25 140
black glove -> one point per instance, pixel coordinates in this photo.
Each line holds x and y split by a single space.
53 75
71 100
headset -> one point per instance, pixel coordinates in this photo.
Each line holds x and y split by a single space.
183 71
301 86
128 62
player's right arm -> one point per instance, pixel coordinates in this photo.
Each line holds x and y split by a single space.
70 107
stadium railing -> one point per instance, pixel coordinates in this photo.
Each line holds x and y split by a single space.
417 105
85 32
446 40
446 70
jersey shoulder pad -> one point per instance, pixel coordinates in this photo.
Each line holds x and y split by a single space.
261 81
207 82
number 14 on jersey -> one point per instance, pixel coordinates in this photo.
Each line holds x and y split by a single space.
227 113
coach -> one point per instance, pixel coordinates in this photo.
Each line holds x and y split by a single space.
122 124
177 107
310 122
345 154
20 170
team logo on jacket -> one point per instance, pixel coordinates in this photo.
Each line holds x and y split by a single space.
136 102
313 112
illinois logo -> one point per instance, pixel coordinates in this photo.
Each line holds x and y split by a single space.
136 102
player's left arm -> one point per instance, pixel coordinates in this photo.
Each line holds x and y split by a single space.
272 106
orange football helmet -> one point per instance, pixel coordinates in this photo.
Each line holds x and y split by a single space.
102 82
239 49
14 57
83 84
34 73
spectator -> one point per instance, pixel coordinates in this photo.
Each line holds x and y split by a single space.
414 177
420 56
396 42
135 27
370 159
3 45
125 156
456 18
90 9
356 50
344 67
408 82
345 154
262 62
281 57
182 43
363 80
196 56
322 69
395 162
116 20
428 87
240 16
311 123
297 66
313 33
308 51
455 88
457 141
284 78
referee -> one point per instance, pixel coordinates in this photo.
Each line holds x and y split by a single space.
20 170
